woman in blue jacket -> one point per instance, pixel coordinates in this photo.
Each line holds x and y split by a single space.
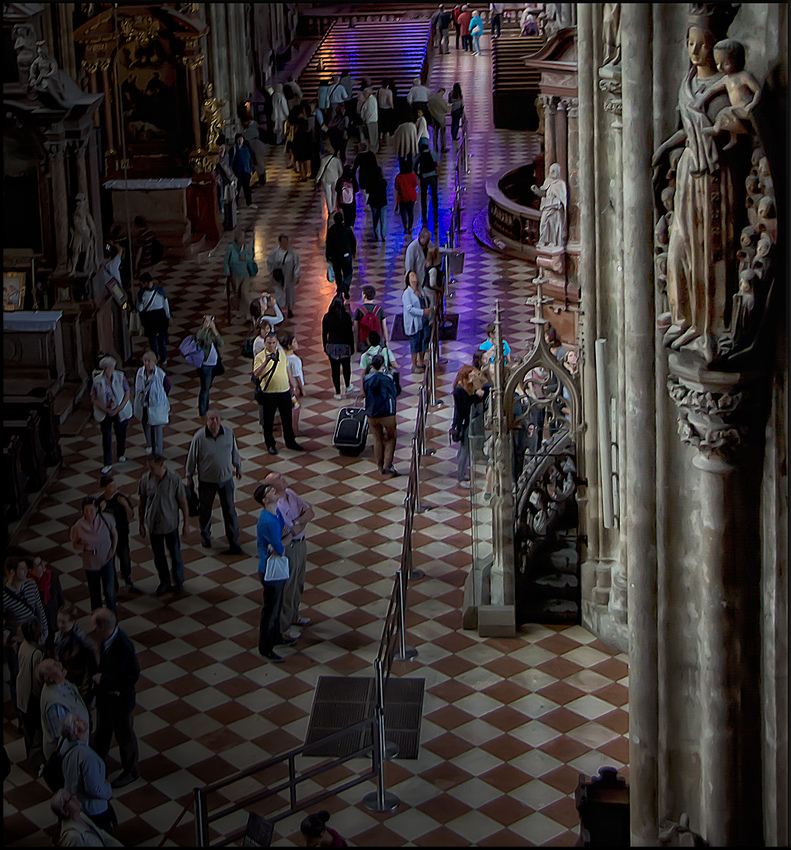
380 407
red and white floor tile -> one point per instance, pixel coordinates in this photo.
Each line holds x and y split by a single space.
508 724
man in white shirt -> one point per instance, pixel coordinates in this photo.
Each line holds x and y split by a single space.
75 830
417 97
370 117
283 265
336 92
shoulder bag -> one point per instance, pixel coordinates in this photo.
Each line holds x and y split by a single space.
276 568
53 769
260 392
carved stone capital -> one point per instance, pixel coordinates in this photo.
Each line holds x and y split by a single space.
192 63
55 150
610 86
716 411
572 106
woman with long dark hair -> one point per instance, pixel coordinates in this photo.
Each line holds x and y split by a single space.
337 336
456 101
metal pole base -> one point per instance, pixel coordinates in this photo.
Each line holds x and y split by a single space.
417 574
391 750
409 653
389 804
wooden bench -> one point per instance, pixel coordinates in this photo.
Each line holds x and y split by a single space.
15 500
19 406
32 455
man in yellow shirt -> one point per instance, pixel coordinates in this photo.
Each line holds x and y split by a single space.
275 382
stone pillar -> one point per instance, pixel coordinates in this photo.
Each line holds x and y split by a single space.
572 158
104 67
60 212
561 138
80 150
639 512
192 63
586 75
550 135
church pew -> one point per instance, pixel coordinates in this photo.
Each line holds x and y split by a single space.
15 499
32 454
17 407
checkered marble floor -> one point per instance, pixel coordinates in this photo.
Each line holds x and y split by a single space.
508 724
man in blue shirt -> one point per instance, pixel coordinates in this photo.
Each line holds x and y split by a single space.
272 535
489 342
242 165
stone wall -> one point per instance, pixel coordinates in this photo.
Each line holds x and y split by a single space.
697 554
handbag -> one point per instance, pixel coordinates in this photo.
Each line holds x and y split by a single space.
193 501
276 568
52 772
330 273
247 348
219 369
456 433
252 268
135 325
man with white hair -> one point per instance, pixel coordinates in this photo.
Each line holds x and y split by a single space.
370 117
417 97
83 773
58 698
75 830
296 514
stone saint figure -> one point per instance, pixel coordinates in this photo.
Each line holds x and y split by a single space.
554 196
611 32
45 76
702 266
83 238
25 47
212 117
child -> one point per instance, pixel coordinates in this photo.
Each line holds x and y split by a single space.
742 87
291 347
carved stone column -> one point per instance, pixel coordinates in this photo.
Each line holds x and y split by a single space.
561 134
639 514
80 151
572 156
192 63
56 152
550 148
104 67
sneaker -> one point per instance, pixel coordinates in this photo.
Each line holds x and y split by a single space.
122 459
392 472
106 468
290 315
336 396
206 544
148 450
293 634
303 621
234 550
350 389
162 589
287 642
465 484
253 207
295 447
272 450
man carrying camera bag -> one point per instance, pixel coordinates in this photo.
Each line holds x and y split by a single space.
273 392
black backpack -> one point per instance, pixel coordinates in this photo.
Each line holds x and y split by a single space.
53 769
427 164
288 91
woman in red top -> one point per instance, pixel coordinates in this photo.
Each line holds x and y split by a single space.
317 834
406 195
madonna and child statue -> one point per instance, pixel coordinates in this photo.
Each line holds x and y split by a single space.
714 174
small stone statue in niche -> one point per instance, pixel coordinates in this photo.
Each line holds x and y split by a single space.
554 196
611 32
211 113
45 76
767 217
742 88
761 262
743 308
25 47
746 254
83 238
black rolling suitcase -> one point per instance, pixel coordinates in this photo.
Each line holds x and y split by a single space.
351 431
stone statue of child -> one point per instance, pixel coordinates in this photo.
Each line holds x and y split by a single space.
554 196
742 88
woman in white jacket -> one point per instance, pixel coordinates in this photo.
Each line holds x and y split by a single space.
279 112
111 409
152 407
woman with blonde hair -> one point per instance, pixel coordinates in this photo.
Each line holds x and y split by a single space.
111 408
151 405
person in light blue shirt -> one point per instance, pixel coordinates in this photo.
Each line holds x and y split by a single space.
476 30
272 535
485 346
84 773
416 311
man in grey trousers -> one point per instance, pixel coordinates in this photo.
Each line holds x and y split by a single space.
296 514
214 456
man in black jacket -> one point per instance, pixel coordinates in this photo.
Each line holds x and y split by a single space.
115 695
341 248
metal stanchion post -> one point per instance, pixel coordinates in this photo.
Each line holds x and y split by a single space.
201 827
407 653
380 800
